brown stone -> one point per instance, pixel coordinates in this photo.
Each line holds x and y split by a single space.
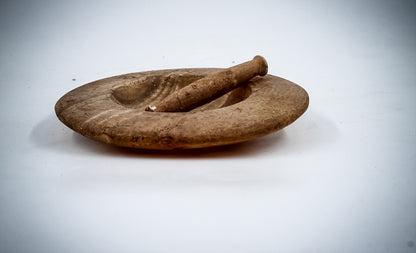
211 87
111 110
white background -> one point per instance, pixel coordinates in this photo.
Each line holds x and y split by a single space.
339 179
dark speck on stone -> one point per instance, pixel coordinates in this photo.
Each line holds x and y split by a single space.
73 79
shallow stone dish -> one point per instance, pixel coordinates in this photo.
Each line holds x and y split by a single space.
112 110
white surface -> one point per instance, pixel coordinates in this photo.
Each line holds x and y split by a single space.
340 179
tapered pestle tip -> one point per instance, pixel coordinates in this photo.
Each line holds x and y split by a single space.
150 108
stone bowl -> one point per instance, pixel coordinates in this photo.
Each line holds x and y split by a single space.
112 110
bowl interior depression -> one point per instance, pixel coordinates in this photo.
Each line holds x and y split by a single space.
139 93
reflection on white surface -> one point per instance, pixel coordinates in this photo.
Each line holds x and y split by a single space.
340 179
